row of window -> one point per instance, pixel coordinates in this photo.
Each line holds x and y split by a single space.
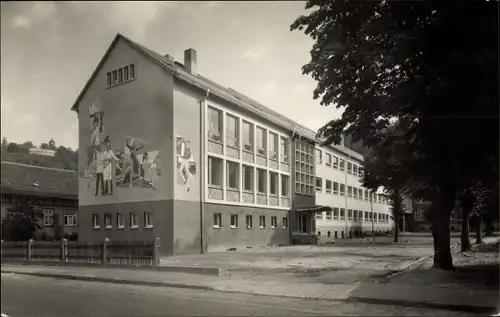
70 218
335 188
355 215
133 220
121 75
304 168
338 163
234 221
215 177
266 143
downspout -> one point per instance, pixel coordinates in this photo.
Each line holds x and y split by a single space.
202 172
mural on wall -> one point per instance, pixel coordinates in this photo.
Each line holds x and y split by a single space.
186 163
130 167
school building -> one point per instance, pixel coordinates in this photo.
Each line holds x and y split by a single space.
168 153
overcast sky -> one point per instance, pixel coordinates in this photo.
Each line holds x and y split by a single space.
48 51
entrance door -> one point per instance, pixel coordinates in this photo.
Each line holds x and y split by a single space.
304 222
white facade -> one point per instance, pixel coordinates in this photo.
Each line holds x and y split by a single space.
338 185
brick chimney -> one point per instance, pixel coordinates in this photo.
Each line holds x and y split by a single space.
190 60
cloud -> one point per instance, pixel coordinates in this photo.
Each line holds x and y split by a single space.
20 21
35 12
253 54
212 4
136 16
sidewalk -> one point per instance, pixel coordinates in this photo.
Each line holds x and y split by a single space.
473 286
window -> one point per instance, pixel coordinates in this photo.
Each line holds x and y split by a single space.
120 75
336 213
419 214
335 188
366 194
261 181
284 150
247 131
214 124
234 221
273 183
341 164
374 217
366 215
262 221
349 167
284 222
249 221
274 222
232 175
119 220
284 186
360 171
95 221
328 186
214 172
248 178
115 77
132 71
232 131
335 163
148 219
217 220
319 157
342 214
354 169
107 220
355 193
273 146
319 184
355 214
342 189
125 74
328 159
349 191
349 214
48 217
70 219
109 79
261 141
133 220
329 215
319 215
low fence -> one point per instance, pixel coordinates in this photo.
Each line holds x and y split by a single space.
142 253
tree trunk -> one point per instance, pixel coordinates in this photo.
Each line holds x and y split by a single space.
464 238
467 204
397 216
441 227
479 228
489 224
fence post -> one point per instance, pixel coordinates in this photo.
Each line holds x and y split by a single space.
105 251
30 249
64 250
156 252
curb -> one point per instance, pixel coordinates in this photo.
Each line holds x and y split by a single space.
111 280
410 303
214 271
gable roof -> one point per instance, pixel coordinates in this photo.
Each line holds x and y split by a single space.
227 94
39 181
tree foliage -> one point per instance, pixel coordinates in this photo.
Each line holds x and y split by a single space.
432 66
64 158
21 223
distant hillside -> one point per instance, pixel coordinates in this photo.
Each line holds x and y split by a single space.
64 158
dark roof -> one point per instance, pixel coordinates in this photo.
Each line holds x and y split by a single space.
224 93
39 181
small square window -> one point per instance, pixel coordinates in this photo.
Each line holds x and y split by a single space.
249 221
285 222
134 220
262 221
217 220
95 221
234 221
274 222
107 220
70 218
119 220
132 71
148 219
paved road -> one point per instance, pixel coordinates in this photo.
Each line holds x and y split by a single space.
26 296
